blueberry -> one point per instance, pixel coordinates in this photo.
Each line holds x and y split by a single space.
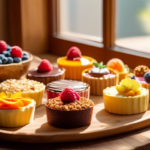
132 77
25 54
10 60
2 56
0 61
147 77
4 60
25 57
7 54
8 48
17 59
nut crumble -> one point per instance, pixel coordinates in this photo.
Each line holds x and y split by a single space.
23 85
81 104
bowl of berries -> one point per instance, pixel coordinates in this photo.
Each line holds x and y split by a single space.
14 62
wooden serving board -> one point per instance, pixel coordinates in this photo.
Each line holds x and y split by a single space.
103 124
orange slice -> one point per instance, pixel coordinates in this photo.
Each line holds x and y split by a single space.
116 64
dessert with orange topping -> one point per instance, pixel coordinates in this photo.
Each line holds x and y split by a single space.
118 65
46 73
16 110
75 63
69 110
126 98
28 88
99 77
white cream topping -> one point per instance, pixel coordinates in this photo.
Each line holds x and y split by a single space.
97 70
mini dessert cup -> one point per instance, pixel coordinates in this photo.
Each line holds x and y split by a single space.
28 88
74 68
127 98
46 77
69 115
56 87
17 111
98 84
123 75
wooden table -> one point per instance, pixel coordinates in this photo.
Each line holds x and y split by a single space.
134 140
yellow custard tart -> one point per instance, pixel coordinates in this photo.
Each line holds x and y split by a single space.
118 65
75 63
127 98
28 88
99 79
16 110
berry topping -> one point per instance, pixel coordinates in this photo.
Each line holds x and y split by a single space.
3 46
17 59
132 77
10 60
69 95
4 60
74 53
7 54
8 48
16 51
116 64
139 71
45 66
147 76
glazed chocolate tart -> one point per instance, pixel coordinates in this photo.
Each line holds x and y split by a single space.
46 77
56 87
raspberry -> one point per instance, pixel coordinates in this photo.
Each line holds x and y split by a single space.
16 51
3 46
73 53
69 95
45 66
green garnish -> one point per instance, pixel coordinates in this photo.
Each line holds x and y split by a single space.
99 65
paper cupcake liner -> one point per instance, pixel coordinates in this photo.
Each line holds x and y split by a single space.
146 85
84 93
97 85
36 95
18 117
46 80
126 105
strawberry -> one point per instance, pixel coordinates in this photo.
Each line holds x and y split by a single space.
16 51
3 46
74 53
45 66
69 95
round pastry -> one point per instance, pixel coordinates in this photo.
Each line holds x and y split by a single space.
46 73
15 110
69 110
75 63
56 87
117 65
99 78
28 88
127 98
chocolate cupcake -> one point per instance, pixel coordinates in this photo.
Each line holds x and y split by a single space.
56 87
45 73
69 110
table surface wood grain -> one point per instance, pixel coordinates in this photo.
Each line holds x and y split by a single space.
139 139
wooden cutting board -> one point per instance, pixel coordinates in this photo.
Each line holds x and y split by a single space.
103 124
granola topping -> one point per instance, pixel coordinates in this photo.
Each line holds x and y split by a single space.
81 104
23 85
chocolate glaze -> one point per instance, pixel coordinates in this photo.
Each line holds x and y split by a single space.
55 72
58 86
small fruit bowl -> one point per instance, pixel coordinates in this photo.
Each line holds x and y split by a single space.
15 70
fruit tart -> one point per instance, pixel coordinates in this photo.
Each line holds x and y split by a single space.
46 73
28 88
55 88
99 77
16 110
126 98
69 110
75 63
118 65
